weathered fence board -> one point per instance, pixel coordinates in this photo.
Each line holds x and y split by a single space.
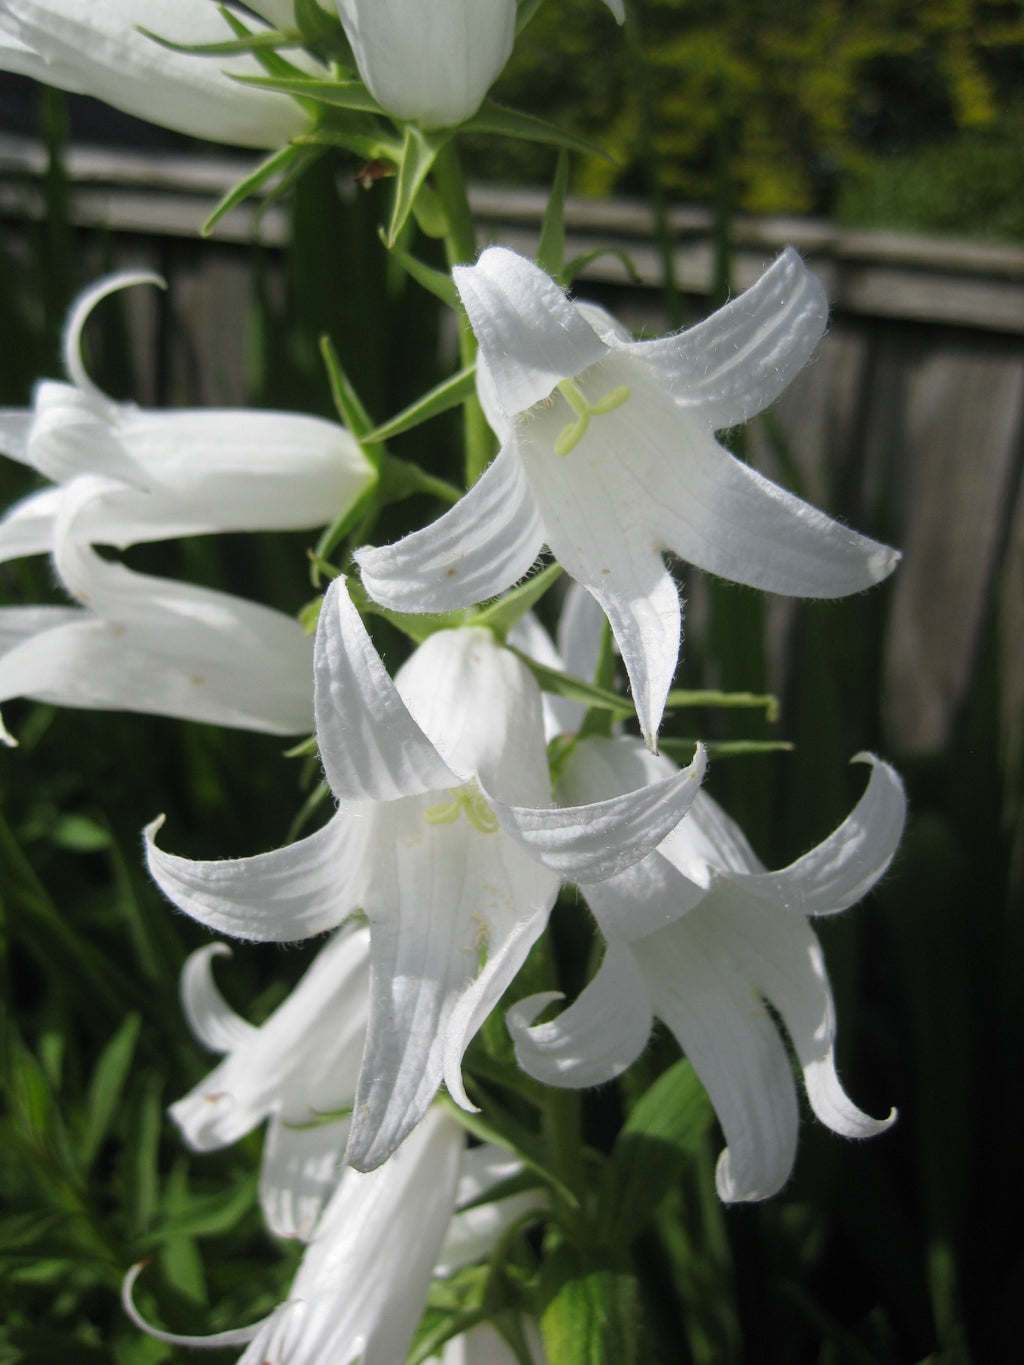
909 422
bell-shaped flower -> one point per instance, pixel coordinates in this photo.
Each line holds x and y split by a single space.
609 458
362 1284
173 473
298 1070
430 61
445 838
98 49
701 936
140 643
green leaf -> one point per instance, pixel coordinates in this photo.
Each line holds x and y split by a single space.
502 615
681 751
106 1087
207 1216
338 94
348 403
593 1312
551 251
497 121
525 12
416 626
230 47
662 1132
708 697
419 151
79 834
578 263
435 281
286 158
445 396
273 64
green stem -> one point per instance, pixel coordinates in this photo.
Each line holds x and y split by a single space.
460 249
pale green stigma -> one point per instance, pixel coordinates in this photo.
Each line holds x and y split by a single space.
466 800
573 433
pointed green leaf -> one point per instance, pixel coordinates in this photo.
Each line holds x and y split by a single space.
106 1087
593 1313
578 263
551 251
276 164
346 400
230 47
322 31
681 751
445 396
707 697
435 281
662 1132
349 94
563 685
271 62
498 121
502 615
419 151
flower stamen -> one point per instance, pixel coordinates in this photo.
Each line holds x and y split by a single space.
573 432
467 800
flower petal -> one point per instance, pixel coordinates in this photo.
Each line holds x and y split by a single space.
731 1041
209 1015
370 746
483 545
597 1038
481 708
531 335
739 360
363 1280
787 962
300 1169
27 528
15 424
846 865
444 896
292 893
721 515
100 51
588 843
87 300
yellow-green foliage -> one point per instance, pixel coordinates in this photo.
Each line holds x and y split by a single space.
801 93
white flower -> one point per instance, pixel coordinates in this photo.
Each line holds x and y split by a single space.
173 473
608 457
700 935
298 1069
445 838
363 1280
94 47
432 61
140 643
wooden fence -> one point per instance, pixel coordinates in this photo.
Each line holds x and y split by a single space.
910 421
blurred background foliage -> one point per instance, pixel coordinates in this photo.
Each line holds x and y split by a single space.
878 112
898 1251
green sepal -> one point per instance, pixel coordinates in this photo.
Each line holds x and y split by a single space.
760 700
573 689
285 159
663 1131
502 615
347 402
304 748
350 94
419 151
551 251
371 145
446 395
272 63
230 47
429 215
323 32
436 282
498 121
